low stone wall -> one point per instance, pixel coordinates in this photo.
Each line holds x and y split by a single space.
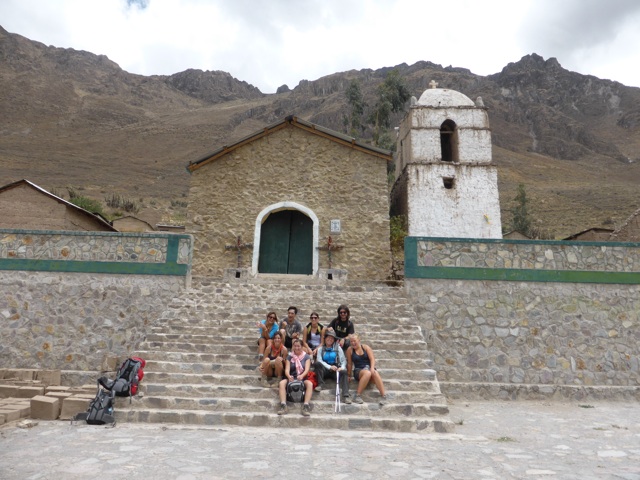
524 312
99 252
67 299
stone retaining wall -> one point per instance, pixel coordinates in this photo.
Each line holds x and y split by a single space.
69 298
524 312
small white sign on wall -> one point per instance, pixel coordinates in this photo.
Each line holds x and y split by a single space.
335 226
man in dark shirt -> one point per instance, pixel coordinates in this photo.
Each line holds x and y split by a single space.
342 326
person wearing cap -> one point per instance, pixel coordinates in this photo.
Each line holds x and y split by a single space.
343 326
330 361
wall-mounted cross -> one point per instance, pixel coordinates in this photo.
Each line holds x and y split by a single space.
239 246
330 247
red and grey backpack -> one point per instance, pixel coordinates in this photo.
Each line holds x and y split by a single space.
127 379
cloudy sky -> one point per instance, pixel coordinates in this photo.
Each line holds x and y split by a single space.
269 43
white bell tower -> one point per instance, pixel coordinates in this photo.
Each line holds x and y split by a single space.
445 183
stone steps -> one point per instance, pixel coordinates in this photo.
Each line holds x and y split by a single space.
380 339
209 346
202 360
293 419
411 379
238 365
429 394
249 329
324 406
250 357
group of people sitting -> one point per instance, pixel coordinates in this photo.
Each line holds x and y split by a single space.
312 354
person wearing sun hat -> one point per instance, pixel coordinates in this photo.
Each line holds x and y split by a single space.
331 362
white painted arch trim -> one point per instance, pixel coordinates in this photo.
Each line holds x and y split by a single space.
276 207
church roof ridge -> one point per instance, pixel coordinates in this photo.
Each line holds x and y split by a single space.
292 120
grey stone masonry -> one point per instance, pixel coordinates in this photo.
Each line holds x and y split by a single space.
536 255
202 360
574 334
70 321
90 246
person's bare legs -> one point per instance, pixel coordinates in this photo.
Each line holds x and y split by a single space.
363 381
377 379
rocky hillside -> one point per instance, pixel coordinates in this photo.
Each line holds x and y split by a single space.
72 118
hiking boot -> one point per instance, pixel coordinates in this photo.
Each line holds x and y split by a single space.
283 409
347 399
264 382
306 410
358 399
318 388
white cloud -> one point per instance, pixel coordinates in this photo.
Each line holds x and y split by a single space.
270 43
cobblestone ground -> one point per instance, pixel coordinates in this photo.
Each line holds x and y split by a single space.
492 440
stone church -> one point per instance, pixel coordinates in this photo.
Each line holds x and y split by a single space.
297 198
292 198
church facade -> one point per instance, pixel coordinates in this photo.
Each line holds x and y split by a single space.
292 198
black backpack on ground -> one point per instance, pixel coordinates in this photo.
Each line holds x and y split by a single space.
295 391
126 381
100 410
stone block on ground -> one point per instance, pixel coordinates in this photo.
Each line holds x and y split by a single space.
23 407
29 392
74 405
7 391
9 414
45 408
60 395
25 374
49 377
57 388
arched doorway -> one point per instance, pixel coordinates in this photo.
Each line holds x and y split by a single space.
285 240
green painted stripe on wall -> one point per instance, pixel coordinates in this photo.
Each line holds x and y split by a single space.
412 270
93 267
172 249
565 243
521 275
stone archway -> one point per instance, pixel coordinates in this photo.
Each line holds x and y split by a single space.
259 234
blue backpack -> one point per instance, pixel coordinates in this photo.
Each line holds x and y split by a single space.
329 357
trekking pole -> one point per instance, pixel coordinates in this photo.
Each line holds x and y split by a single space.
337 407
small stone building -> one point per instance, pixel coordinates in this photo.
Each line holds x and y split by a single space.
25 205
445 183
292 198
629 231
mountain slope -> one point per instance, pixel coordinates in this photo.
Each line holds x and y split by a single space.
72 118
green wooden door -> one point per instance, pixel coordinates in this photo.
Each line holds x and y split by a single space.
286 243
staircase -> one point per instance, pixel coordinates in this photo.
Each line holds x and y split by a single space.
202 360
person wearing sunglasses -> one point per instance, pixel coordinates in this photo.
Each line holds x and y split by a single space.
267 329
312 335
342 326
